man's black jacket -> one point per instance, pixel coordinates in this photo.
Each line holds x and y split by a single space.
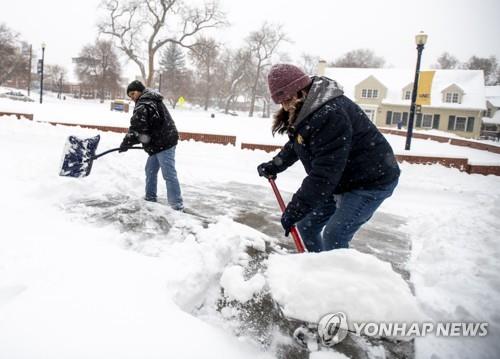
151 124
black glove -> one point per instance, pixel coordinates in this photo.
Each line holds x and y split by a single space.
127 142
287 223
267 169
293 214
124 147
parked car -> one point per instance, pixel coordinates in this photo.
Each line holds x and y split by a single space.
19 96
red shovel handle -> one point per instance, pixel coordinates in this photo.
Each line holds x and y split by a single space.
295 234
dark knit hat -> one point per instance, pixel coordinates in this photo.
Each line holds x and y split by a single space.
135 85
285 81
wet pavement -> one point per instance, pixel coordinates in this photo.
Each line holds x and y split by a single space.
256 206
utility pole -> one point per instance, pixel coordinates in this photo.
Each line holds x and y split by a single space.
29 71
41 72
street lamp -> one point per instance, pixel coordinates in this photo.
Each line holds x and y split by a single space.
420 40
41 72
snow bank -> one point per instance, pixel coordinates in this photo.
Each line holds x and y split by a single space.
308 286
196 262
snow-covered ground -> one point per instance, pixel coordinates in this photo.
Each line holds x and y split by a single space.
88 269
254 130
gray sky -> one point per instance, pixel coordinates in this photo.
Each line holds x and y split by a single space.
325 28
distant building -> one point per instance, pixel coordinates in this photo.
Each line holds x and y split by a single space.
456 98
491 119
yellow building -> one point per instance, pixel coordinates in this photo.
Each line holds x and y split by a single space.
455 98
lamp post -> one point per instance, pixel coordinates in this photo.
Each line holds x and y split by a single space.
41 72
420 40
29 70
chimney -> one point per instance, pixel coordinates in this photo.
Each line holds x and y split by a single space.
320 70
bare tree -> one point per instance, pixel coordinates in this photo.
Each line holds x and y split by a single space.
98 67
262 44
205 54
176 79
235 70
447 61
56 75
144 27
309 63
13 61
488 65
363 58
263 94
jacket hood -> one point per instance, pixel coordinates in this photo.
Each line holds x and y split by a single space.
322 90
150 94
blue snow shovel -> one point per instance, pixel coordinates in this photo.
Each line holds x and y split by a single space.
79 154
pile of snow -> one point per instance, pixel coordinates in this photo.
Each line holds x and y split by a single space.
311 285
236 287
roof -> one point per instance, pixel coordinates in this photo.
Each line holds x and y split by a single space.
493 95
471 81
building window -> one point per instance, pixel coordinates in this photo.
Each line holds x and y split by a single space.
452 97
427 121
369 93
392 118
370 113
407 95
459 123
435 122
396 117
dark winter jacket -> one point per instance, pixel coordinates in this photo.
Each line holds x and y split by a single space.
340 148
151 124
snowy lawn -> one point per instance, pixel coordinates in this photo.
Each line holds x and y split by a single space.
249 130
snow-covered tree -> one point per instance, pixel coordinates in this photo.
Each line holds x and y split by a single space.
309 63
447 61
205 55
235 68
489 65
56 75
364 58
97 66
263 44
13 60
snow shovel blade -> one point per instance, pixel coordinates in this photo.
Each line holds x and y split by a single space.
78 156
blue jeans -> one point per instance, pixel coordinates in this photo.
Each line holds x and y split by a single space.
166 161
333 225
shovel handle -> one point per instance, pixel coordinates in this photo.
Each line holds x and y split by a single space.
112 150
295 233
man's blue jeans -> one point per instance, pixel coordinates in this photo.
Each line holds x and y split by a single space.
333 225
166 161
